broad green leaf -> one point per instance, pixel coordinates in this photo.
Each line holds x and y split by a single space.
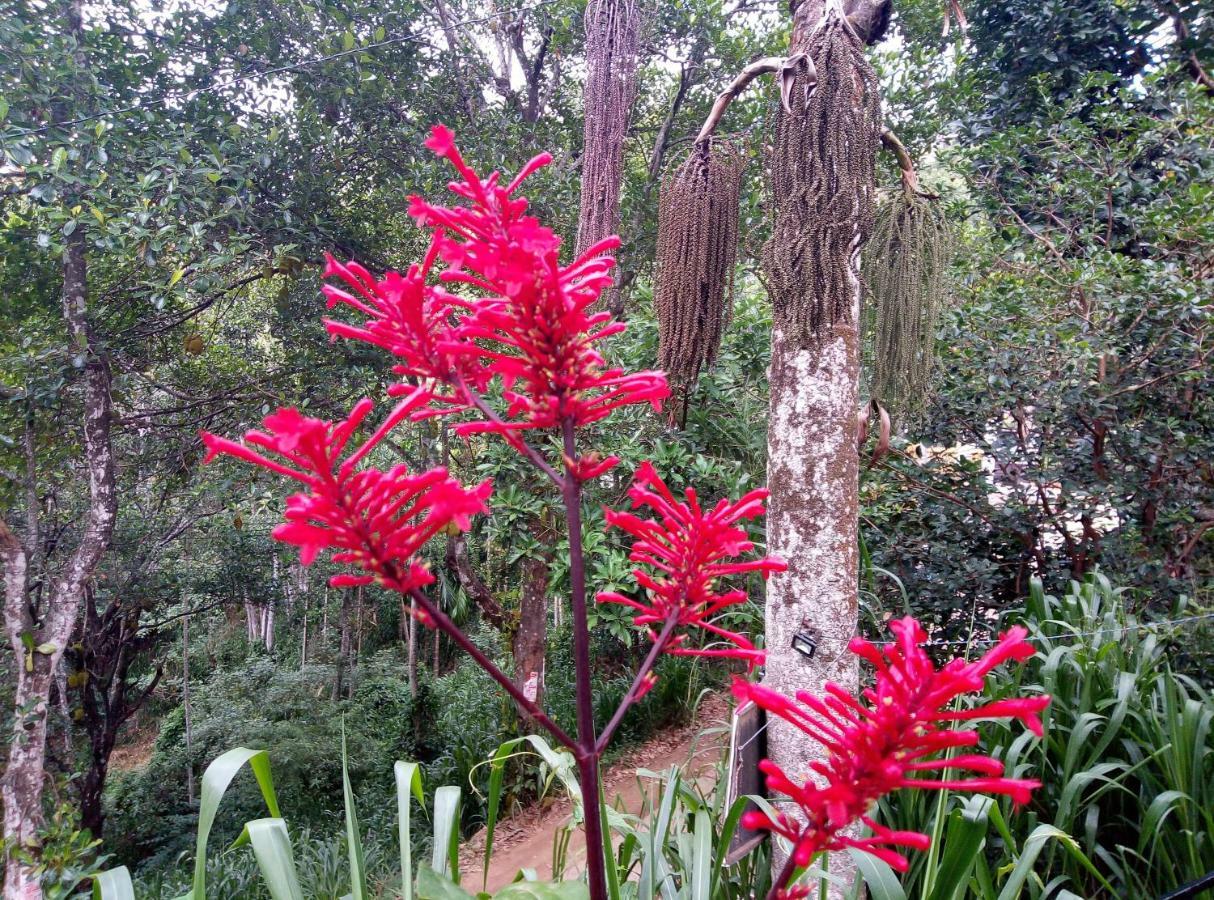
272 850
444 857
433 886
879 878
963 841
701 856
113 884
408 780
215 781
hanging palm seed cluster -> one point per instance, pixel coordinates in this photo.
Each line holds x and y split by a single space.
905 266
612 44
697 248
821 174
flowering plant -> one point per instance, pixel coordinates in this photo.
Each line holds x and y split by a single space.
491 305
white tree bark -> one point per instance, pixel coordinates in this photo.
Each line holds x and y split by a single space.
813 475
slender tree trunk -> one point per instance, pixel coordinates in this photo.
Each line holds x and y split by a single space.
531 638
412 638
343 650
303 644
38 642
185 706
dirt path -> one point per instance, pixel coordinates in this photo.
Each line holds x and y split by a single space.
525 840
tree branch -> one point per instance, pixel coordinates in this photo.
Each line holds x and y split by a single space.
765 66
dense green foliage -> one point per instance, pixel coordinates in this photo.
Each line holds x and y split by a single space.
1127 764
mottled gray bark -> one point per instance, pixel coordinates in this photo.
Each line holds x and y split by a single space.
813 514
38 637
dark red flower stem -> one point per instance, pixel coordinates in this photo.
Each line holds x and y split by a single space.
537 458
647 666
588 759
785 876
443 622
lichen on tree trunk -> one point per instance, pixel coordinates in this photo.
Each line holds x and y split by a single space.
813 476
823 182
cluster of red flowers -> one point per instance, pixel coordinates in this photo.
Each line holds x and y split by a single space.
887 742
375 520
529 322
689 551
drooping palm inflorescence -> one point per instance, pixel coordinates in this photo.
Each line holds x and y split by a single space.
905 267
697 249
820 183
612 45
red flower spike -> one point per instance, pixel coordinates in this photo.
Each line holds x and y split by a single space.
887 740
531 325
527 321
686 553
374 519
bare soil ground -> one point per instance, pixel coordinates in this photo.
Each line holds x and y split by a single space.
525 840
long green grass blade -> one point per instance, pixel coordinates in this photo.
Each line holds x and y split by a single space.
113 884
878 877
354 843
408 781
445 855
272 850
497 778
701 857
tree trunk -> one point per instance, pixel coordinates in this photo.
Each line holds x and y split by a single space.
813 476
185 706
531 638
812 518
343 649
412 638
38 641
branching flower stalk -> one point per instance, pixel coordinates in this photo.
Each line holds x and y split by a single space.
491 306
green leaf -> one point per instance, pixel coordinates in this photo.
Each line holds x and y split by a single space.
963 841
354 843
539 890
347 40
879 878
432 886
445 854
215 781
113 884
176 277
58 158
3 109
408 780
701 859
272 850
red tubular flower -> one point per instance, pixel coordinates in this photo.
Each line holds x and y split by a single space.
687 551
529 320
531 323
376 520
886 741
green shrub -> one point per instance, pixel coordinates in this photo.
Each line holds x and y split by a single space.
1126 765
